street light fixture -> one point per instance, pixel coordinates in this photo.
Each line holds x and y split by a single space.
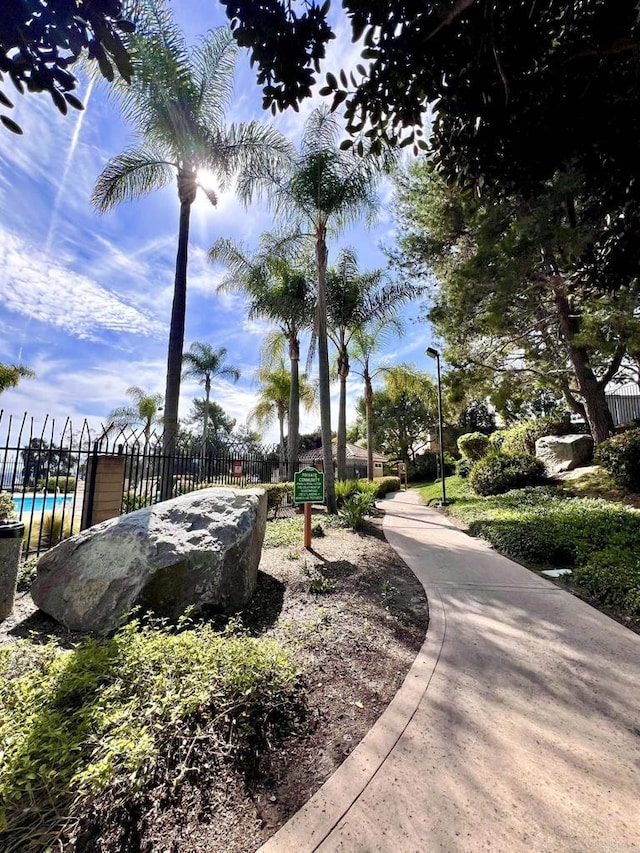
433 353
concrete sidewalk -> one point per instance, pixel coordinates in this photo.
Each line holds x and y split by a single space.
517 728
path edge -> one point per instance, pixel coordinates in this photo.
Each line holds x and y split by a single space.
306 830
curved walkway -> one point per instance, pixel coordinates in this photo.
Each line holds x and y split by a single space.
516 729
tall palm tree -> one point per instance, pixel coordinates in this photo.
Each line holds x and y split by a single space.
203 363
177 102
325 189
144 411
273 401
355 299
278 287
365 344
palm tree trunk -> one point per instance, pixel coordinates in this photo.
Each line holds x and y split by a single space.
294 406
324 390
174 356
205 419
368 402
281 414
341 442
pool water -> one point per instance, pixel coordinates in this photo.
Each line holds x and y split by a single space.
39 503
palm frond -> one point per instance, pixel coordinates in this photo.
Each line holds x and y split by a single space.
321 131
214 62
130 175
161 61
249 151
273 348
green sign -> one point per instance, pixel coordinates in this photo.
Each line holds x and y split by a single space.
308 486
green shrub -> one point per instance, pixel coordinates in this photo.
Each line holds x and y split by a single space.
473 445
98 726
613 576
463 467
496 439
620 456
345 489
27 571
277 494
373 488
500 472
63 483
7 508
355 508
423 468
384 485
521 438
131 501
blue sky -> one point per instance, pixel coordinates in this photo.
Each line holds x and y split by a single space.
85 299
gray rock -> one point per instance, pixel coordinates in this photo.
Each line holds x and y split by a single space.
564 452
199 550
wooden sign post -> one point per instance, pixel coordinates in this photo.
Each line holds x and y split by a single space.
308 488
402 474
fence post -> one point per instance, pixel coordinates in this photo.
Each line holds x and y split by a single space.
106 483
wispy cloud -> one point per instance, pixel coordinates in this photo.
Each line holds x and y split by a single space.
32 285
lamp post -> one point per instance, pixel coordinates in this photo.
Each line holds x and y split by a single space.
433 353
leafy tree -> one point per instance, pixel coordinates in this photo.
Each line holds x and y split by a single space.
144 412
273 401
514 297
204 363
324 189
476 417
404 412
355 299
218 423
277 283
177 102
516 87
43 459
11 374
39 43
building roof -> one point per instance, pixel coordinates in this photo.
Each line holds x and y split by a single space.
354 452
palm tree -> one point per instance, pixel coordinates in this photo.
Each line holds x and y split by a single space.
144 412
327 189
365 343
177 102
355 299
273 402
279 289
203 363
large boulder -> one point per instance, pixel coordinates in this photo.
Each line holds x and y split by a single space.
564 452
199 550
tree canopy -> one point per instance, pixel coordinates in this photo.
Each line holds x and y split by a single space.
518 90
513 298
39 42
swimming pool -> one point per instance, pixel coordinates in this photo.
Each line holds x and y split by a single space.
39 503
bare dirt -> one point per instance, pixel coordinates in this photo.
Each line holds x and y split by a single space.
355 616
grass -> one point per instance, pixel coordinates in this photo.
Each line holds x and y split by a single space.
455 487
549 527
98 726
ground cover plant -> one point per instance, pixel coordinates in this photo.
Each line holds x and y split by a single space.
95 722
209 735
549 527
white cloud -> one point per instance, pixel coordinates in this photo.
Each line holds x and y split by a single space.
44 290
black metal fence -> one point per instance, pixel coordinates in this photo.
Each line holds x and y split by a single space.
47 470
